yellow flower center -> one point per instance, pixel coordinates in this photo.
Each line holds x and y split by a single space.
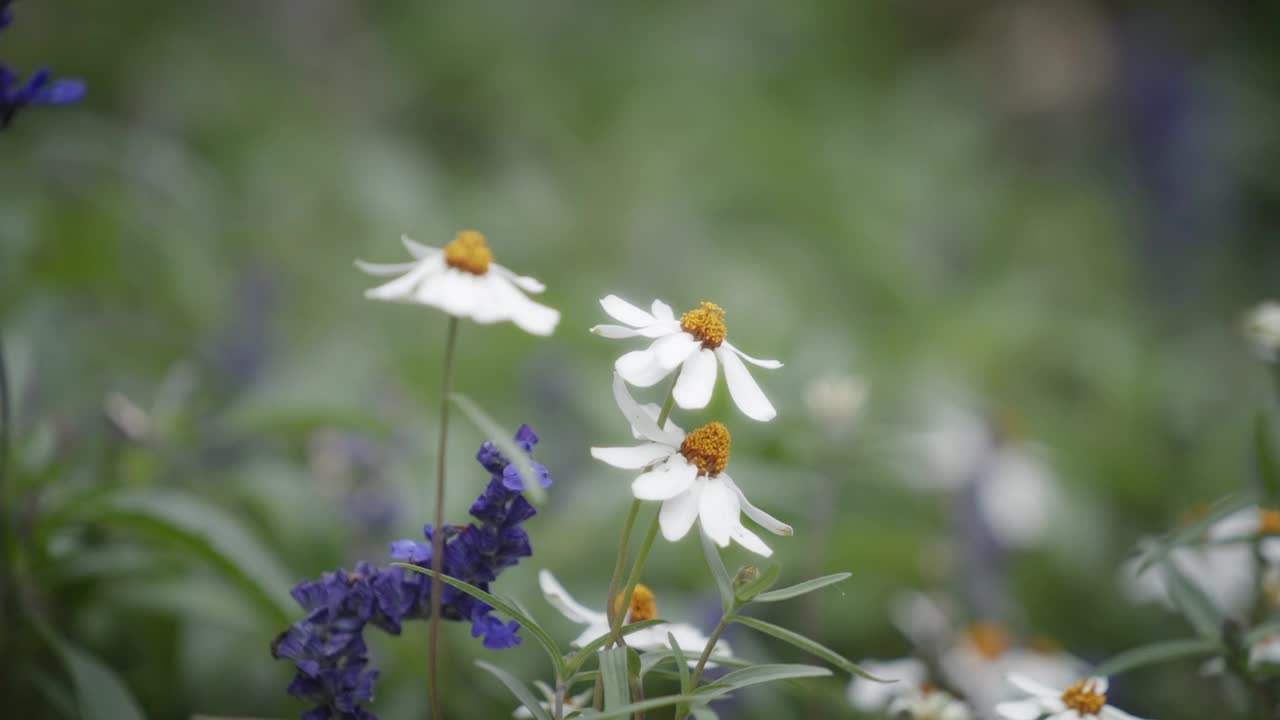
1269 522
468 252
706 324
707 448
1084 698
989 639
644 606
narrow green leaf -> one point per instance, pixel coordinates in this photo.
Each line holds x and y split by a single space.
682 665
517 688
100 693
174 519
625 710
617 687
799 589
582 655
770 673
526 621
810 646
1191 601
60 698
723 582
1265 450
744 592
1156 653
1195 533
651 660
502 438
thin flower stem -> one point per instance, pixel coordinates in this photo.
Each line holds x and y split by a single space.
622 558
6 518
725 621
666 406
437 533
634 578
558 710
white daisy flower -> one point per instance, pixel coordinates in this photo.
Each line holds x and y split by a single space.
463 280
686 473
929 704
870 696
570 704
644 606
1262 329
1085 699
694 343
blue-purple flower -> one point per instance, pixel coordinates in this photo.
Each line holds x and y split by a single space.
328 648
39 89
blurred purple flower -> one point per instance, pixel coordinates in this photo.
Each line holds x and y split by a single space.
40 89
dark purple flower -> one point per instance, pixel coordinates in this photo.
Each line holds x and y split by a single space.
40 89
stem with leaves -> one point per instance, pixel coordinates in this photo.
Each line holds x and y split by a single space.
437 534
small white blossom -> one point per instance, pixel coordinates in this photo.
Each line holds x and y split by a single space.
463 280
1085 699
686 474
1262 328
696 343
643 607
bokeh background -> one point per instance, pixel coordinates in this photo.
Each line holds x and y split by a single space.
1049 215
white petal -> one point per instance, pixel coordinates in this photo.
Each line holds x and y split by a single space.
632 458
404 287
417 249
447 290
1099 684
697 380
534 318
1114 713
614 332
1020 710
665 481
718 511
626 313
674 349
1031 687
769 364
641 368
679 513
750 541
746 394
662 311
385 268
762 518
561 600
523 282
644 418
495 299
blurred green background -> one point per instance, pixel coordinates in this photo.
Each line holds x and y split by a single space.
1052 212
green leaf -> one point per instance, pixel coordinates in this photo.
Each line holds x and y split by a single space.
723 582
174 519
1265 450
810 646
651 660
585 653
625 710
682 664
517 688
769 673
526 621
1196 532
1156 653
745 590
797 590
1196 607
617 686
502 438
100 693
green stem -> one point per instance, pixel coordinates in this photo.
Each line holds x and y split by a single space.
633 579
8 520
437 534
666 406
558 710
725 622
622 559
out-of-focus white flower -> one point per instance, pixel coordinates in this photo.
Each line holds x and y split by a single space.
1225 571
836 401
692 343
1014 487
686 473
463 280
1265 652
1262 329
643 607
577 702
1085 699
977 663
909 697
929 704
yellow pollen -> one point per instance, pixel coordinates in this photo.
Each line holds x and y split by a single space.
706 324
707 448
1084 698
1269 522
468 252
989 639
644 606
